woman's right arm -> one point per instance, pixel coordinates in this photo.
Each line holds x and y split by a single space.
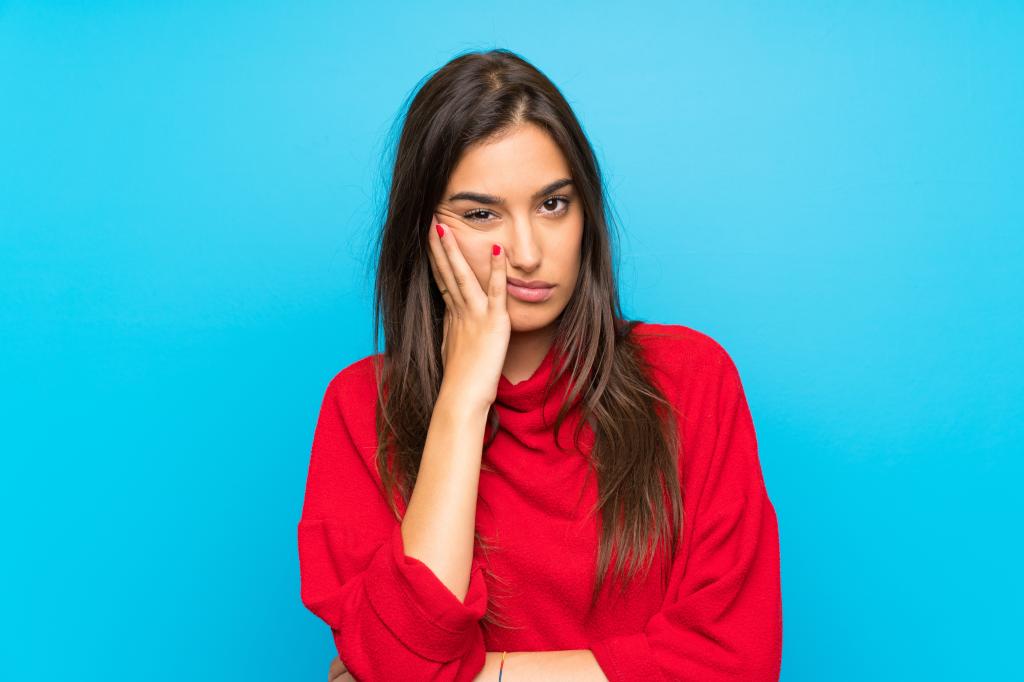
439 524
410 609
392 615
438 528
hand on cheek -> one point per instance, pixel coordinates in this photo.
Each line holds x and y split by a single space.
475 245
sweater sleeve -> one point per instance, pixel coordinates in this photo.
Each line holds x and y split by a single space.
390 616
722 615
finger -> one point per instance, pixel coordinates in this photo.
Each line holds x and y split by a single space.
435 273
496 289
443 265
448 302
465 279
444 337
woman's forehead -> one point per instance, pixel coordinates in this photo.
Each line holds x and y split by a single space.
515 166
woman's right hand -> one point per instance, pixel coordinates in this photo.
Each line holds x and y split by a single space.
477 326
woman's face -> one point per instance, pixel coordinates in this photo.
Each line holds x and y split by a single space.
506 191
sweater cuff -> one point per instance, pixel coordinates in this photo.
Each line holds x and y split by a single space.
627 658
419 609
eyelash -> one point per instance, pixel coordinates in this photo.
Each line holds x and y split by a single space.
469 215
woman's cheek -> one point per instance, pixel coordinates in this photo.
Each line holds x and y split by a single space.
483 272
477 251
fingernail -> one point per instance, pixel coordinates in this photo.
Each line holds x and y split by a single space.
440 230
495 250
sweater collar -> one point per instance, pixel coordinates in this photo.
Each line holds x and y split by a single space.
526 394
523 412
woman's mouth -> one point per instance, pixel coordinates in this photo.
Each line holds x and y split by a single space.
529 294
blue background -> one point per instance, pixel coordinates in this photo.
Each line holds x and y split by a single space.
830 190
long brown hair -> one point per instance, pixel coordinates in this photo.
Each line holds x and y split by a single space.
473 97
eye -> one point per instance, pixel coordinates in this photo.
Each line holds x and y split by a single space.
559 211
475 214
480 215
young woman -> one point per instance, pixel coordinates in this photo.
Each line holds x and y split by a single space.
524 485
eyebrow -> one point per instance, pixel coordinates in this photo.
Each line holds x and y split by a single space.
491 199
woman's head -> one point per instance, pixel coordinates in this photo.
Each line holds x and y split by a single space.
490 123
516 189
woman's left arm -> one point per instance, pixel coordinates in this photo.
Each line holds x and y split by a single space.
722 616
576 665
573 665
726 623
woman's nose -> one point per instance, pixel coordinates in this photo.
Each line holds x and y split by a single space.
522 248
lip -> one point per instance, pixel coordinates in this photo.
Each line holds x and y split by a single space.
529 291
531 284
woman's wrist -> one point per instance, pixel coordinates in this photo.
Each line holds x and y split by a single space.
455 404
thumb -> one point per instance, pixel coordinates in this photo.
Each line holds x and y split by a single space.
496 290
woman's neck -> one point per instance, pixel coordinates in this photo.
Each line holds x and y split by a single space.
526 350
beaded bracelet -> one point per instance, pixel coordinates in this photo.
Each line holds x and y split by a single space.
502 666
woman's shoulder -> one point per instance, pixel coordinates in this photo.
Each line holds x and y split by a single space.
357 376
352 393
681 350
679 342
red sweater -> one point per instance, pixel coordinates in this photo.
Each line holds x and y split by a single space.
720 617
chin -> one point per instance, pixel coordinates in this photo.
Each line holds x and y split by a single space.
530 320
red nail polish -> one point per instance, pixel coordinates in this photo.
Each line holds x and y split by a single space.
495 250
440 230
